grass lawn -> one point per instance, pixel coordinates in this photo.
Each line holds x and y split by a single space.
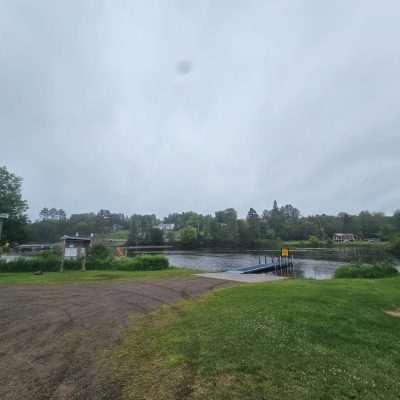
295 339
89 276
120 234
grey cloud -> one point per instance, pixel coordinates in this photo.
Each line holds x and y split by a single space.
293 100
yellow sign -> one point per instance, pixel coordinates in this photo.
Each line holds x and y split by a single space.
284 252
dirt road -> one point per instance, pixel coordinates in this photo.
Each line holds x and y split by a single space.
50 334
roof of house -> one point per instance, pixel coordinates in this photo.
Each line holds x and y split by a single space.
76 238
34 245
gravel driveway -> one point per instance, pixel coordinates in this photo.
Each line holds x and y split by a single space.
50 334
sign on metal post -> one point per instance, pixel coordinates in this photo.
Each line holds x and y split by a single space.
284 252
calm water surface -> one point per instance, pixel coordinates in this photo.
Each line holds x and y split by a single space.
309 263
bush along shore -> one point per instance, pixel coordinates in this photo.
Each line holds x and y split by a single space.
52 264
368 271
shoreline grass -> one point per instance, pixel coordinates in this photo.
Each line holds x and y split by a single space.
366 271
332 244
295 339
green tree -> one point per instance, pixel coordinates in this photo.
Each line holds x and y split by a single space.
347 222
314 241
275 219
44 214
99 252
253 221
11 203
244 234
156 236
171 237
188 236
133 237
62 216
396 220
394 246
227 220
53 214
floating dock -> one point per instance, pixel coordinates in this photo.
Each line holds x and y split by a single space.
242 278
278 265
278 268
255 269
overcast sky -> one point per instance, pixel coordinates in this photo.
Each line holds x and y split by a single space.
162 106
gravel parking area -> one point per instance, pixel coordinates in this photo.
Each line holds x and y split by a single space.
50 335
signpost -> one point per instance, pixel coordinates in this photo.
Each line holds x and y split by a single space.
284 252
284 262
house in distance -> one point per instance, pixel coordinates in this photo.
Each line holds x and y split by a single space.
344 237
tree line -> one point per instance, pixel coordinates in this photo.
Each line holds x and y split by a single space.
225 229
188 229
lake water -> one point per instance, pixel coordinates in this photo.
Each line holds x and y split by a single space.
309 263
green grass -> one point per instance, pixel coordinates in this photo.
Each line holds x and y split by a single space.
357 243
89 276
361 243
121 234
295 339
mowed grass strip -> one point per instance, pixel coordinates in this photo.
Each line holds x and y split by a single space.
285 340
89 276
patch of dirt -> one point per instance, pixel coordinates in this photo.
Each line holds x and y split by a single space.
50 335
393 313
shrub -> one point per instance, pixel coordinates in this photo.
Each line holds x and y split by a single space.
99 265
32 264
46 254
99 252
366 271
188 236
270 244
394 246
330 243
314 241
46 259
141 263
51 264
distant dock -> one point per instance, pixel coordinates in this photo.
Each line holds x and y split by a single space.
276 269
277 265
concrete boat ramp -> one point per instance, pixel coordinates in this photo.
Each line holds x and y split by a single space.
279 268
240 277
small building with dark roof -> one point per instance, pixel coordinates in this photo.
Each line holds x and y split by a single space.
75 248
